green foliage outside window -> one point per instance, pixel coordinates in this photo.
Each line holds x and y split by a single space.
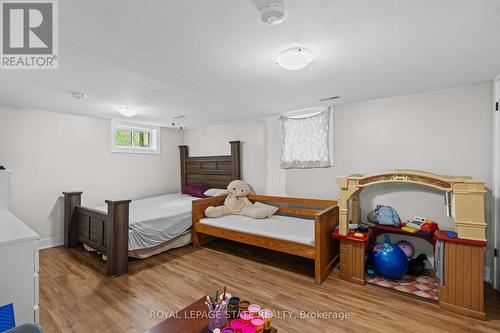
123 138
126 138
141 139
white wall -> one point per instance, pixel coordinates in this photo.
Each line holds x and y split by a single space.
446 132
52 152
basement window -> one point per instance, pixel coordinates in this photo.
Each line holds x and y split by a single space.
134 138
304 140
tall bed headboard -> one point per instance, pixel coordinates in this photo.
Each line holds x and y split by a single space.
212 171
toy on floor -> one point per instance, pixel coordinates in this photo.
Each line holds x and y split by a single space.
416 266
370 269
237 203
407 248
389 260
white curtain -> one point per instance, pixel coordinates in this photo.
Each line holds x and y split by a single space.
304 141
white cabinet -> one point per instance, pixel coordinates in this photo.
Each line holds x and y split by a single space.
18 262
18 268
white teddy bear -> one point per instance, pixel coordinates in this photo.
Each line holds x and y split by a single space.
237 202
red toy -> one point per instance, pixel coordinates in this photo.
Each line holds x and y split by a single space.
429 227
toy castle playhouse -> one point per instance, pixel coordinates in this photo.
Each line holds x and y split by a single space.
459 261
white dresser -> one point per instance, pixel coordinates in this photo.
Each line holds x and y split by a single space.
18 261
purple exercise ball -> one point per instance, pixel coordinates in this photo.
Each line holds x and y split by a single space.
407 248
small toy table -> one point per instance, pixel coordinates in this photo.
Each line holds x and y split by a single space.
186 322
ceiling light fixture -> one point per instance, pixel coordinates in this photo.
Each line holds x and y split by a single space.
127 111
272 13
295 58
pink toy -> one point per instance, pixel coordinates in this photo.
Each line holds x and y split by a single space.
407 248
246 316
249 328
254 309
258 322
237 324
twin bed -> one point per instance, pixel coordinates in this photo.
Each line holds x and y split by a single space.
145 227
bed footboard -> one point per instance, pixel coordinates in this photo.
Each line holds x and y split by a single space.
198 212
327 249
105 233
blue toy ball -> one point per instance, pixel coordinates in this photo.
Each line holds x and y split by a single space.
389 260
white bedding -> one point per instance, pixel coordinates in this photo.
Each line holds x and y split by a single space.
155 220
281 227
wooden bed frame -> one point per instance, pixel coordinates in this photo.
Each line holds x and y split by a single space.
324 252
107 233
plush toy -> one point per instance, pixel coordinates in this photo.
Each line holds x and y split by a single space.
237 202
416 266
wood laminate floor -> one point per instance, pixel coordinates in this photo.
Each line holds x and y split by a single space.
75 296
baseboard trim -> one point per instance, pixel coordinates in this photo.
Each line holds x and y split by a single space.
47 243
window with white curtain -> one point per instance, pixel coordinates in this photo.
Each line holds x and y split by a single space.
304 140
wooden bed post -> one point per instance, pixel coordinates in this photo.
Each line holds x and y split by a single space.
235 157
198 212
327 249
71 201
117 241
184 151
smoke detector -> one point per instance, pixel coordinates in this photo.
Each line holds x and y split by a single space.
272 13
178 121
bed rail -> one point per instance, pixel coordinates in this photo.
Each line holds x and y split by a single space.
104 232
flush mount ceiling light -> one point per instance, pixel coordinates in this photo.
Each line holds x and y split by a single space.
295 58
272 13
127 111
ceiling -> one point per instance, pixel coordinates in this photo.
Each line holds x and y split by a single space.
213 61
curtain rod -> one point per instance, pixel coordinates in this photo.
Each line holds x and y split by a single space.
307 112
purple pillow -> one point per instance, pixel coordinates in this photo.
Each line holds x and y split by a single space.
195 190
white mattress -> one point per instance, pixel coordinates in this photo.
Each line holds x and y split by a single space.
288 228
155 220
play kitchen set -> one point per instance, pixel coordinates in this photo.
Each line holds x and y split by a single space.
457 282
228 314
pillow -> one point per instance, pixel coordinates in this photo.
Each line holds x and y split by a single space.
211 192
195 190
271 210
